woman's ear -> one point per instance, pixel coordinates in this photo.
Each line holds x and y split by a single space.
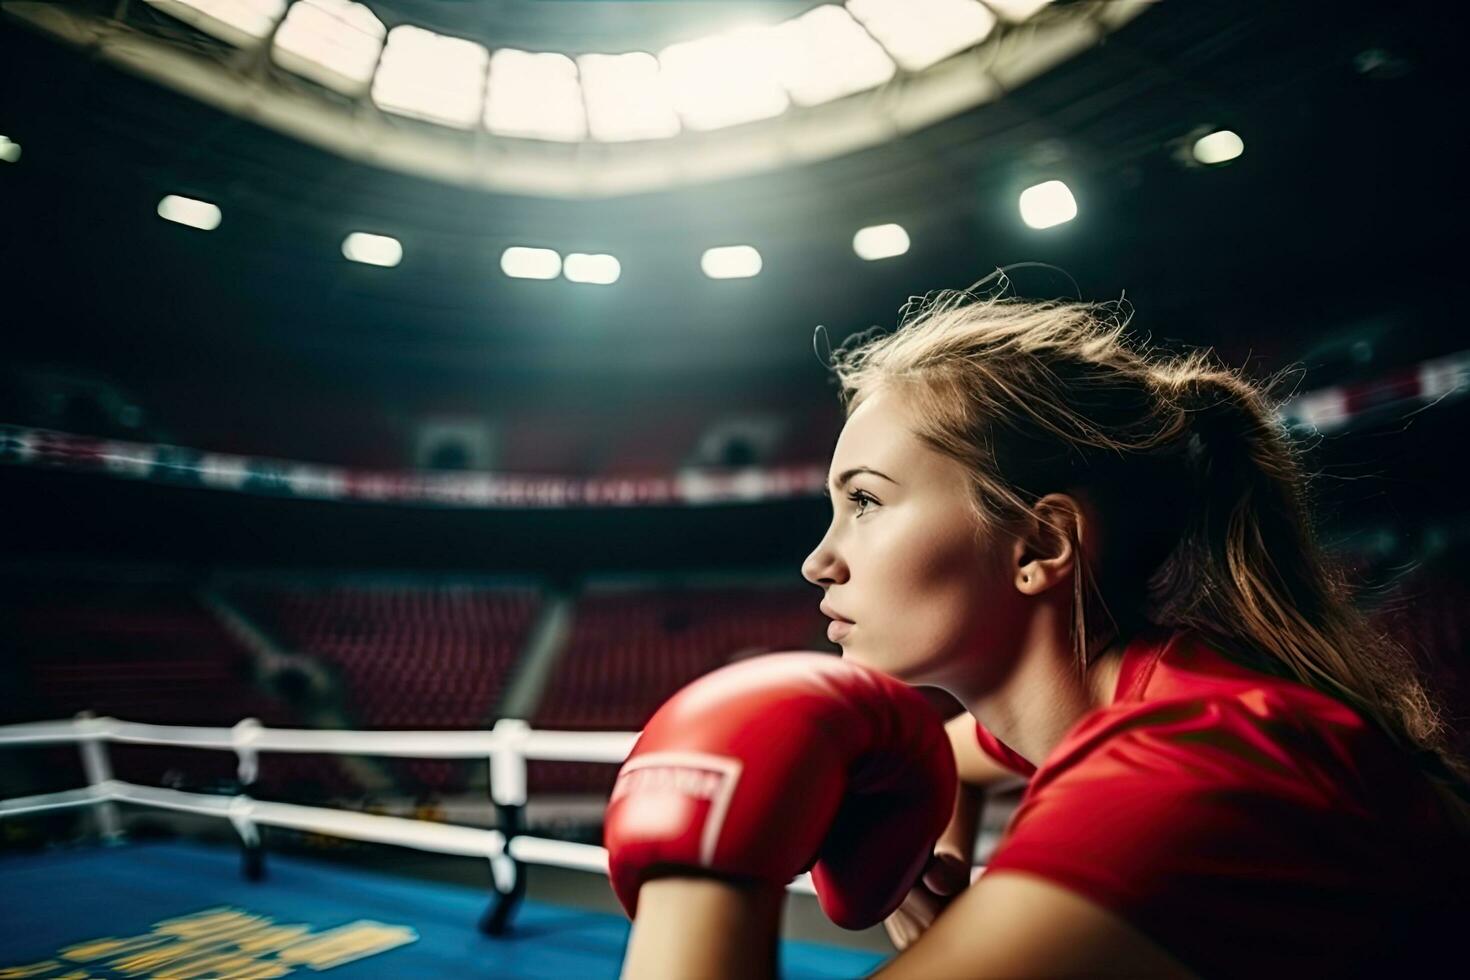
1044 551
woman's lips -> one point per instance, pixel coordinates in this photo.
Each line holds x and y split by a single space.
837 629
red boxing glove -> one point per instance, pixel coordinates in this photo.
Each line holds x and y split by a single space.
783 763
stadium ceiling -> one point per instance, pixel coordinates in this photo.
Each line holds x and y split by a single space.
1262 254
581 99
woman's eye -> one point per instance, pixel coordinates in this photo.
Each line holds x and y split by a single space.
862 500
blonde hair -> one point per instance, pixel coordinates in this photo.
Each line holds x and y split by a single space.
1189 465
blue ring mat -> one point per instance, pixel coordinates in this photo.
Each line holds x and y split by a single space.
56 900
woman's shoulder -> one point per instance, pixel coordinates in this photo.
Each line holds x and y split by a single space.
1191 696
1256 774
1204 718
1261 738
1165 664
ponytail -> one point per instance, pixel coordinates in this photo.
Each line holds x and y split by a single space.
1249 560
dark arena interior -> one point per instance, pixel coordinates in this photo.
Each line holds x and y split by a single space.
402 400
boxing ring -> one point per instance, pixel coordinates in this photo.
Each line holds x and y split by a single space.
233 938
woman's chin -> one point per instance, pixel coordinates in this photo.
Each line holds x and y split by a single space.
854 654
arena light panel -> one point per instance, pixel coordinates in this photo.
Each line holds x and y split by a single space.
880 242
9 149
921 33
534 95
625 98
380 250
724 80
824 55
432 77
600 270
335 43
1047 204
1218 147
187 211
243 23
731 262
523 262
1015 11
749 78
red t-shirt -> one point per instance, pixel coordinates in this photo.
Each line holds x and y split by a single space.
1248 824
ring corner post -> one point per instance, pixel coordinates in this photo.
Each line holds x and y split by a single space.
508 795
252 838
509 878
98 767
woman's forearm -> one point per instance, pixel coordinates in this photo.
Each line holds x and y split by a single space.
704 929
959 835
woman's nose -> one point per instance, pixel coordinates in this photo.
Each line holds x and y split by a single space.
822 566
810 569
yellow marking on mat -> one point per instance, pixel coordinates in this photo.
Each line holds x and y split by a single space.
28 970
228 941
273 938
205 957
250 970
262 970
96 949
153 959
213 965
350 942
219 923
212 937
217 942
202 917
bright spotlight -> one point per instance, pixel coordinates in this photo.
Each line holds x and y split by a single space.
1015 11
921 33
1048 204
1218 147
880 242
187 211
431 76
243 23
335 43
596 269
520 262
9 149
372 249
535 95
731 262
626 97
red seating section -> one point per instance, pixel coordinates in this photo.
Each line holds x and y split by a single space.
410 657
145 653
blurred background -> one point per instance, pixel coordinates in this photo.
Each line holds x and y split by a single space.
417 364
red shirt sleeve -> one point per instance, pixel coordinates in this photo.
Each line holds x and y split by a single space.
1001 752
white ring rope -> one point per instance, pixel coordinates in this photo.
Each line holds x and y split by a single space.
508 746
509 734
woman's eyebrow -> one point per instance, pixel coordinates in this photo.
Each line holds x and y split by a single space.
849 474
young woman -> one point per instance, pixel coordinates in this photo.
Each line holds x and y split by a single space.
1106 555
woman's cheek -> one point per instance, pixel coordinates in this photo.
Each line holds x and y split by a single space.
930 593
932 568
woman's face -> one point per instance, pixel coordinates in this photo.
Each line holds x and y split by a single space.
924 599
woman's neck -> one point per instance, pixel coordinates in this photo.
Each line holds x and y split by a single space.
1044 698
